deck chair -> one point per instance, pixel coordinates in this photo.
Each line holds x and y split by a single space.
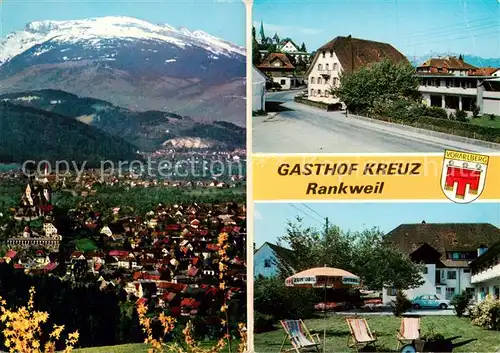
361 336
409 331
299 336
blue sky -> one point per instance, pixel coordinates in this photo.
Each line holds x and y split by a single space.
225 19
413 27
271 218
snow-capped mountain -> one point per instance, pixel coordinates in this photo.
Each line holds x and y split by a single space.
95 31
130 63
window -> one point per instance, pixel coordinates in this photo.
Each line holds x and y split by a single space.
331 53
438 290
320 67
267 263
327 80
426 270
312 80
452 275
312 92
450 293
392 292
319 81
319 92
327 67
466 270
323 53
335 82
335 67
282 82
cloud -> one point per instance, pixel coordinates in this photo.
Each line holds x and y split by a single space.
287 31
257 216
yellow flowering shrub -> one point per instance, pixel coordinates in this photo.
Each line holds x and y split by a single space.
22 331
190 345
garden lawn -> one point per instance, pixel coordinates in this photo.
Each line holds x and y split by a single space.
384 328
486 121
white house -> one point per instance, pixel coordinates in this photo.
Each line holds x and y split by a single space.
486 273
344 54
453 84
267 259
258 90
446 250
289 47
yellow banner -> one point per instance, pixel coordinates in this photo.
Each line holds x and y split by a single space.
454 175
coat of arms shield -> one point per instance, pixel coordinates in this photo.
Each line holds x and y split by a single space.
463 176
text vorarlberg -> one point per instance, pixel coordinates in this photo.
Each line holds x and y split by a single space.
348 169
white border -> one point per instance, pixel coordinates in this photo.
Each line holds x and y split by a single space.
249 188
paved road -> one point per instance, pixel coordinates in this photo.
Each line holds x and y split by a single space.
305 129
437 312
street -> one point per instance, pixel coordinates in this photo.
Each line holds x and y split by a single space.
422 312
299 128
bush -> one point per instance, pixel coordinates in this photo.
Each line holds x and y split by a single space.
401 304
451 116
475 111
263 322
275 301
486 314
436 112
461 115
461 302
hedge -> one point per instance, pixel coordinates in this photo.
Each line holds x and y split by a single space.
450 127
321 105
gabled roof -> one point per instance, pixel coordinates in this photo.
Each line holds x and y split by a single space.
449 62
484 71
282 253
359 52
492 252
268 61
444 236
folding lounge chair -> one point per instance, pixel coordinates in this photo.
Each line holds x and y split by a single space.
299 336
360 334
409 331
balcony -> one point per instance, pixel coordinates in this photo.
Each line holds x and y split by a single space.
442 89
325 73
485 275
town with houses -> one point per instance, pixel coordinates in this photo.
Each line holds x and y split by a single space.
170 257
447 82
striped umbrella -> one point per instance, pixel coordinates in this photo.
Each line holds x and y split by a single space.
323 277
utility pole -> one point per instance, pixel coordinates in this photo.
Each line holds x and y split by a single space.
326 225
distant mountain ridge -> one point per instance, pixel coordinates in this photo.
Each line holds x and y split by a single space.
471 59
148 130
28 133
130 63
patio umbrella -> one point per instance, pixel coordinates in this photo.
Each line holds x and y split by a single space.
323 277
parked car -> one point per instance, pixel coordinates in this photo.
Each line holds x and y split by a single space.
430 301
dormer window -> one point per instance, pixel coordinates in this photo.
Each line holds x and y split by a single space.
323 53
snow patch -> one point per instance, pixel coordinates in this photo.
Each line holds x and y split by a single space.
170 60
27 98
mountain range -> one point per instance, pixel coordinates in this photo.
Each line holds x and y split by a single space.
474 60
130 63
137 86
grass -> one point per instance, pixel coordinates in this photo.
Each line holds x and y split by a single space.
471 338
486 121
85 245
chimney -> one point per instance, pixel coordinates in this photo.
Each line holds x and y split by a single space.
424 222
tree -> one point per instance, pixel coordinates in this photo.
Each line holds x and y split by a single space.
461 58
383 82
303 47
365 254
256 59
